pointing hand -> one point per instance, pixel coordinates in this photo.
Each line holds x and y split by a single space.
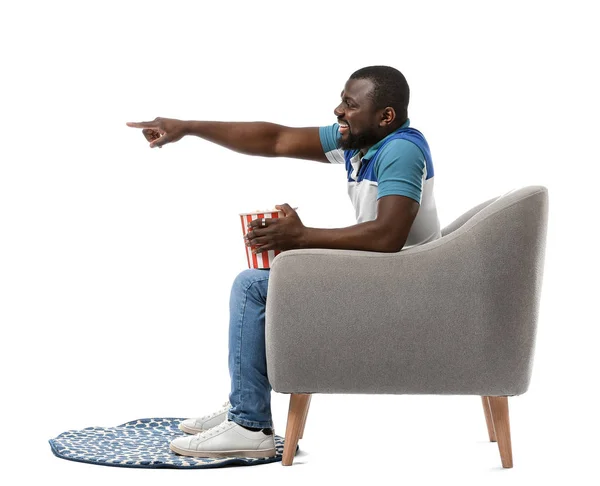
161 131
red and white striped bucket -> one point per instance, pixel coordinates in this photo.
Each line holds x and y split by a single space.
265 258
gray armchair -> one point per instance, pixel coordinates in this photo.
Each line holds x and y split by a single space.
456 316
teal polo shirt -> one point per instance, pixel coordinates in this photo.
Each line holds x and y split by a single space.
399 164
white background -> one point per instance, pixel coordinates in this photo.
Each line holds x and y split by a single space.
116 260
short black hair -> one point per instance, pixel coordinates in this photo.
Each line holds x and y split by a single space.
389 88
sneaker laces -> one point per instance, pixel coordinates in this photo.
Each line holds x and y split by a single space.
226 406
215 429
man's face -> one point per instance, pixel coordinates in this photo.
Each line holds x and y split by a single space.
357 117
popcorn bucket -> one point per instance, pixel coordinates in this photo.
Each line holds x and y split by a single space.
265 258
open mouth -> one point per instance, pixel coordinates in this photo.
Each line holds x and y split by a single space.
343 127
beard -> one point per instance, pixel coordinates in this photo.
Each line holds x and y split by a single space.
360 141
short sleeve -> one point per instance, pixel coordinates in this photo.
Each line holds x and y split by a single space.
329 141
400 170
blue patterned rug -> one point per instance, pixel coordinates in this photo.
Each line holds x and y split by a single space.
141 443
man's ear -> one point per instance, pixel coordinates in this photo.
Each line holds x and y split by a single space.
388 115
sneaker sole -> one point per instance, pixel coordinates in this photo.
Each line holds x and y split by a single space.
255 454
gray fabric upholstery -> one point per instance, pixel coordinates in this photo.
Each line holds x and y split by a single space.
458 222
454 316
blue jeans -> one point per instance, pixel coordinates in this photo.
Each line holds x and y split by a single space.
250 395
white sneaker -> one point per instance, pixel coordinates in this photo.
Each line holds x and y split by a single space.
226 440
200 424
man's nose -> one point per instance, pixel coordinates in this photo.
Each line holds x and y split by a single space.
338 111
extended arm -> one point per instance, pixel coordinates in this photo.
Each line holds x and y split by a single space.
251 138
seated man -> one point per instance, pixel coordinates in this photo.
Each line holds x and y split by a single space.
390 182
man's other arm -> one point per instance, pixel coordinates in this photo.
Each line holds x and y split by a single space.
387 233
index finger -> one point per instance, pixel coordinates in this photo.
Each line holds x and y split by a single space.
149 124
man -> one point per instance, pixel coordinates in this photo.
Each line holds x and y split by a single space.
390 182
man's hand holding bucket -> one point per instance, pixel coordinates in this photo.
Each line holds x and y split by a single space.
287 233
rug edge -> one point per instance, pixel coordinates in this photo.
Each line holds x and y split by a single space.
234 462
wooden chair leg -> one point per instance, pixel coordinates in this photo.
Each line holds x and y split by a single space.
488 418
304 418
499 409
296 415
